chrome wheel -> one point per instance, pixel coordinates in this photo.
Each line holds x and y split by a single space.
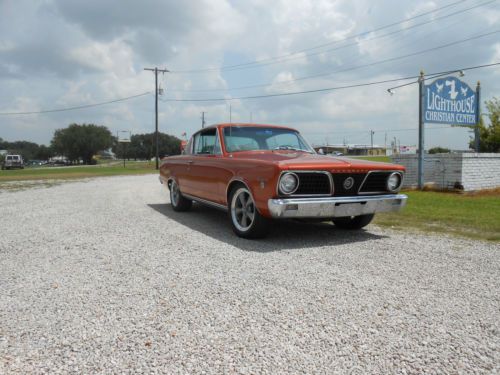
174 194
178 201
242 210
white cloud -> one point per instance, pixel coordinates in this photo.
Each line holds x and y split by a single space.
104 56
421 7
69 52
6 45
496 56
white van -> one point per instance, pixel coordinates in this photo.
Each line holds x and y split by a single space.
13 161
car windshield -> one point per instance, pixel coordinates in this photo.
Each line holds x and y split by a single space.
249 138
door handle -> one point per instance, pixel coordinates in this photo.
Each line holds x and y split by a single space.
190 162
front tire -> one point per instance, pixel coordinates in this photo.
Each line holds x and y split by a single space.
246 220
179 203
353 222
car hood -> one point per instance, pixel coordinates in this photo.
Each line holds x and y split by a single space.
305 161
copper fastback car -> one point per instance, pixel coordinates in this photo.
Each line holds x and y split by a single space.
259 173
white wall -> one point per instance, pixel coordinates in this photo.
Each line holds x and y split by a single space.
446 171
481 171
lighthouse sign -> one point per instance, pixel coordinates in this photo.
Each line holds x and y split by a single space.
450 101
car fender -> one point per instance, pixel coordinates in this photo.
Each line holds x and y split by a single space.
259 197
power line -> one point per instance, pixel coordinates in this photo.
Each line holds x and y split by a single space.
74 108
325 89
229 67
290 93
369 64
392 58
363 132
430 75
357 42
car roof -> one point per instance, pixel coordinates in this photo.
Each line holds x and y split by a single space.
244 124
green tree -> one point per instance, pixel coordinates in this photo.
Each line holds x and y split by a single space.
27 150
142 146
439 150
44 153
81 141
489 136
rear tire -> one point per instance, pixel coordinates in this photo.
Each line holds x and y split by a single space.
353 222
179 203
246 220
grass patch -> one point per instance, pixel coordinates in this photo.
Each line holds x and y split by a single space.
77 172
474 216
384 159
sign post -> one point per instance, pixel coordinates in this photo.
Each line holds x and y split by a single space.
446 100
123 138
421 134
478 111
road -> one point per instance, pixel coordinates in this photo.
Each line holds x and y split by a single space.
101 276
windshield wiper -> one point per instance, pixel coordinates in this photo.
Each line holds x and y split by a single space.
291 149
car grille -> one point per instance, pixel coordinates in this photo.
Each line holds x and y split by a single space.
313 184
375 182
338 183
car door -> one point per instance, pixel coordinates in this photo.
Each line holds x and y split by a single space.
205 166
180 167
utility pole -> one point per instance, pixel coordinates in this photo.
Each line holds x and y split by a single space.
230 114
156 71
371 135
202 119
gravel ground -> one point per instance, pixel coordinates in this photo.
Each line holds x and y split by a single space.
102 276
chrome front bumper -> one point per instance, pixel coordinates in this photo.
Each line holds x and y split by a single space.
335 206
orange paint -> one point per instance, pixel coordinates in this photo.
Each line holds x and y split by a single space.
208 176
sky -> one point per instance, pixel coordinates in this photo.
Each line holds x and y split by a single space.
56 54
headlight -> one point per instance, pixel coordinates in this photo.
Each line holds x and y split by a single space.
394 181
289 183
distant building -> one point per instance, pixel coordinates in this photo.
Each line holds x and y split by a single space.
4 152
407 150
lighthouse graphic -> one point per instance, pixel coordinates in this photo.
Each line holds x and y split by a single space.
453 93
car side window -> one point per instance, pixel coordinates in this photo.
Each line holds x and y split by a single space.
217 148
207 143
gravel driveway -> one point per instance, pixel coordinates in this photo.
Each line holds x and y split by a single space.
101 276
